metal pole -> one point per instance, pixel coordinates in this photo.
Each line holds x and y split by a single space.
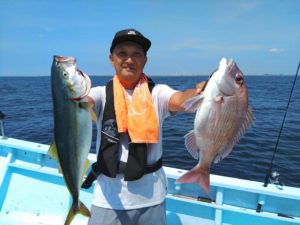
269 172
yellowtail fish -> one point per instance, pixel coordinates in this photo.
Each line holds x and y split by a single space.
72 127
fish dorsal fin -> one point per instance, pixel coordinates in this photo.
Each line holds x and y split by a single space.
248 121
192 104
191 144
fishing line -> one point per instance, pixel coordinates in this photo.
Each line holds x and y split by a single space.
283 121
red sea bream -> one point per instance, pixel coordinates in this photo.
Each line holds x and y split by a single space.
222 116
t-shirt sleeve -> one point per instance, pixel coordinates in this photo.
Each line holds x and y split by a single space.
98 95
162 94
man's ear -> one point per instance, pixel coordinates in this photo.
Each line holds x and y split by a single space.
111 60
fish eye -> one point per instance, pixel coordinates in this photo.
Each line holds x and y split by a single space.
239 79
65 74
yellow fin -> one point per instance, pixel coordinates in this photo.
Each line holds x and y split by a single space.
86 166
53 151
54 155
93 115
82 209
88 107
84 105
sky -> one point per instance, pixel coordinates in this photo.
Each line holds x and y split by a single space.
188 37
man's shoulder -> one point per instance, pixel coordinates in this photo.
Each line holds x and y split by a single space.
97 92
162 92
158 87
98 89
162 88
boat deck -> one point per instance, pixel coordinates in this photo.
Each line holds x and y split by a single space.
32 191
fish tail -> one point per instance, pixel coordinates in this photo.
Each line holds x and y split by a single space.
81 209
196 175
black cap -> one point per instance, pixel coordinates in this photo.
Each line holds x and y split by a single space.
131 35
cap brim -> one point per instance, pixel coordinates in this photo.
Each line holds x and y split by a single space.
142 41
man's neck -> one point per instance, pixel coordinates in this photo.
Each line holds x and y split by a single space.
129 84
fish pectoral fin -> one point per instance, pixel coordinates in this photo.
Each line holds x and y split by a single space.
84 105
218 108
191 144
93 115
88 107
219 98
192 104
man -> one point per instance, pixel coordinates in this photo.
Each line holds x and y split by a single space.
130 109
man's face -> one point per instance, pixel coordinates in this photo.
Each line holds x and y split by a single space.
128 59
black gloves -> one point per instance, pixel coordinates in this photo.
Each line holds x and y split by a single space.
91 177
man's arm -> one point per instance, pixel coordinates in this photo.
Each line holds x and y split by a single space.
178 98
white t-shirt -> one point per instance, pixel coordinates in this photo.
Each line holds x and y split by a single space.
147 191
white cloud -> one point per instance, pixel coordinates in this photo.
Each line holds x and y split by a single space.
275 50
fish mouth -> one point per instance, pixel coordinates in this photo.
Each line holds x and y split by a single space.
232 72
235 71
231 66
64 59
69 61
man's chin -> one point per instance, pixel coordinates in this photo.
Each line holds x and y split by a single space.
129 73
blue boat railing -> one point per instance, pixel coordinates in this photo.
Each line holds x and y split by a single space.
32 187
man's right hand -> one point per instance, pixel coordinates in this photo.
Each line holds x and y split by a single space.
87 183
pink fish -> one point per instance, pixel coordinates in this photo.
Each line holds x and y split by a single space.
222 117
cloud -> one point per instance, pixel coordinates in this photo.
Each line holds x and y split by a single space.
276 50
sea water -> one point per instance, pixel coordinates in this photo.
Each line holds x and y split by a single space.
27 104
